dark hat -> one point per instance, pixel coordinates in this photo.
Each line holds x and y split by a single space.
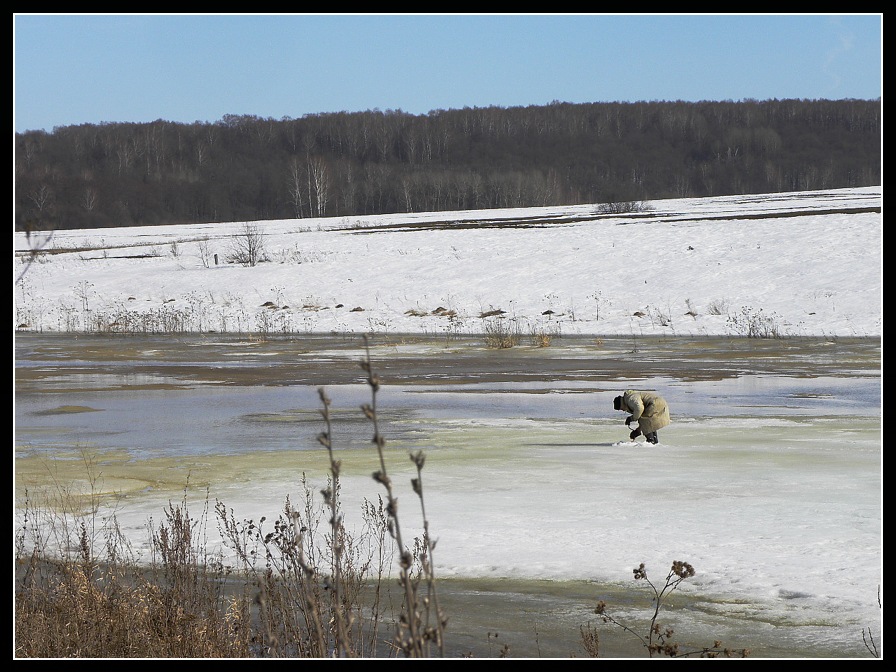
617 403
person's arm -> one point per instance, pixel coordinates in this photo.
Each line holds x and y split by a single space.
635 406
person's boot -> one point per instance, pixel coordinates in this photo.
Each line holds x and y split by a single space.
653 438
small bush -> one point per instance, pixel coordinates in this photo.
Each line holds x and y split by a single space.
717 307
499 333
542 336
622 207
247 246
755 324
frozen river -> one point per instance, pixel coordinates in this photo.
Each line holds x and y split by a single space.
768 481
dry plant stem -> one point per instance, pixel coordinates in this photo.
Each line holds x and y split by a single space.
439 632
413 644
679 570
658 640
868 639
331 498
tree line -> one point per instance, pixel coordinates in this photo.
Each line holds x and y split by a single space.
248 168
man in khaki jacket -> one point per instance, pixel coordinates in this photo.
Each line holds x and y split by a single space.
649 410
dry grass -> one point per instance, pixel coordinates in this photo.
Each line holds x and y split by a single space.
501 333
95 601
304 586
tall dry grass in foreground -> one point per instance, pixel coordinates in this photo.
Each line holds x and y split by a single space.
81 593
303 585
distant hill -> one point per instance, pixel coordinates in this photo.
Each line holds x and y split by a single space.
247 168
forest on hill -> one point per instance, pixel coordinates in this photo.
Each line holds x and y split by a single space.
247 168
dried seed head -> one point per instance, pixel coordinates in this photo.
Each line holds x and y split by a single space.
419 459
683 569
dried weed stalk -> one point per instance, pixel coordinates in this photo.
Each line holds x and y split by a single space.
421 623
658 639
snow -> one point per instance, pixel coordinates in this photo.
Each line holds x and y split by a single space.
803 263
778 507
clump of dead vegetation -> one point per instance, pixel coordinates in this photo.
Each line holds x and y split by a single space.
304 585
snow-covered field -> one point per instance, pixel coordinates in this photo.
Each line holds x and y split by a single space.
806 263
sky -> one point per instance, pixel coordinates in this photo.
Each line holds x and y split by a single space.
71 69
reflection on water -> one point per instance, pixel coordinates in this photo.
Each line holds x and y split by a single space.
768 480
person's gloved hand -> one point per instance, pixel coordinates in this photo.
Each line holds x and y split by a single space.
628 421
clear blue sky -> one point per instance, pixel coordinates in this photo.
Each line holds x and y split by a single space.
88 69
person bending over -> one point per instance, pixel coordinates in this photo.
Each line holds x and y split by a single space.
649 410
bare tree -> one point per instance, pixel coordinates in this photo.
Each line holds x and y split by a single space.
295 188
247 246
205 254
89 199
42 197
320 178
